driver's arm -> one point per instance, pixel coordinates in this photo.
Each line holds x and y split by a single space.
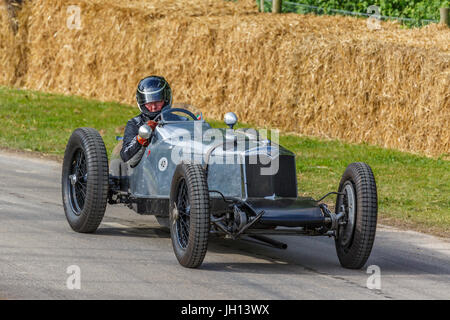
132 142
131 145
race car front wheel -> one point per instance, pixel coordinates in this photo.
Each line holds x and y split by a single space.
189 219
356 233
85 180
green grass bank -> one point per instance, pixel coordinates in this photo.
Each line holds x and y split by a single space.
414 191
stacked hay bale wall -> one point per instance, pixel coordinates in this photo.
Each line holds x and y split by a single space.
12 43
322 76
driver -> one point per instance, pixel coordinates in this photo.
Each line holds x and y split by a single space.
152 95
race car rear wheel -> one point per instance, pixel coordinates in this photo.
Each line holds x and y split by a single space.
85 180
355 236
189 214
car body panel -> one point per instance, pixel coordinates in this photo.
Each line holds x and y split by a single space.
239 164
226 166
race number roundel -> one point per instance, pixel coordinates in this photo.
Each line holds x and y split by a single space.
162 164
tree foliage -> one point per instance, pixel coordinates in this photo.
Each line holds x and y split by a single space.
415 9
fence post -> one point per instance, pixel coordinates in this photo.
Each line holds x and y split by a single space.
276 6
445 16
261 5
13 7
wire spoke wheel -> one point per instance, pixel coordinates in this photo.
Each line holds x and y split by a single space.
189 216
345 232
183 221
85 180
77 181
355 236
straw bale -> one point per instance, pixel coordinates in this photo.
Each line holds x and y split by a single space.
6 45
322 76
13 47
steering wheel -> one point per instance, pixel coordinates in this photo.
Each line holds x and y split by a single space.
172 110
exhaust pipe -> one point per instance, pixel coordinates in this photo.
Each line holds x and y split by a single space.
272 242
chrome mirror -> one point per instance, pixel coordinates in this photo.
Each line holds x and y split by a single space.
145 131
230 119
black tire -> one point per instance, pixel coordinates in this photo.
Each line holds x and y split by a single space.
189 214
85 195
354 244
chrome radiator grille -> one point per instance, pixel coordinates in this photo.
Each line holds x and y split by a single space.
278 180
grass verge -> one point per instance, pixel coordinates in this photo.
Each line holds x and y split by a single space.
414 191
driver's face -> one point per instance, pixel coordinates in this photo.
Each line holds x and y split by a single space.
154 106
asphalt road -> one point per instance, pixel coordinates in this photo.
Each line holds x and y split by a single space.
131 257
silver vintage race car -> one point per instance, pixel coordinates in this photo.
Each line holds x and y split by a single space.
199 181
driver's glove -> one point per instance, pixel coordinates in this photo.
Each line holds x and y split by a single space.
142 141
144 134
152 124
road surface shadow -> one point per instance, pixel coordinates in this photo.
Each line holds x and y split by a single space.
298 256
135 232
324 261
